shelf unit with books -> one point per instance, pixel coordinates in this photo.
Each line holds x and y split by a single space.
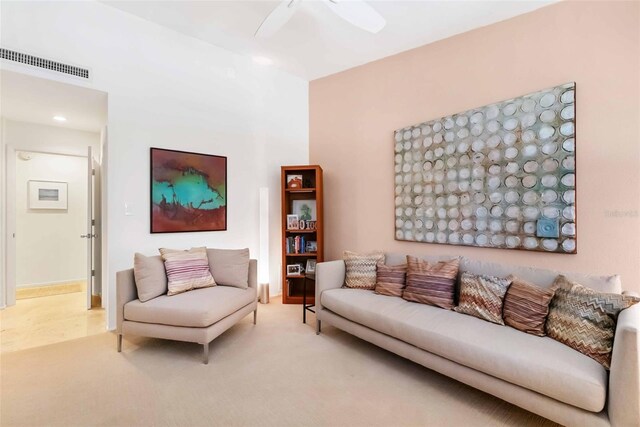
302 235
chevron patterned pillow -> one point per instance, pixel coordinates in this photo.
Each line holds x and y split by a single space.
482 296
585 319
361 269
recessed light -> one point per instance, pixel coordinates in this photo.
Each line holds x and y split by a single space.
262 60
59 118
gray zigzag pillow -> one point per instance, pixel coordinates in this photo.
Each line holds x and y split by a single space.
585 319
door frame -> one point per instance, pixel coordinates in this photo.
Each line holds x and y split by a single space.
8 283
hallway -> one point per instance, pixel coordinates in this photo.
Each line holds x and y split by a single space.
44 320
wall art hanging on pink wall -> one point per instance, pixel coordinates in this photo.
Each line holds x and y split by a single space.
499 176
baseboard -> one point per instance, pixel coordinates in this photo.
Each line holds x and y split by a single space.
57 282
96 301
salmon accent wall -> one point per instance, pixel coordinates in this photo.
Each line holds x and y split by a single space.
596 44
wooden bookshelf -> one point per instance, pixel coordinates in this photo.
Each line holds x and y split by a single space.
311 190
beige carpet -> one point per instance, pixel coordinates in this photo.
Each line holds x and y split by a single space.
278 373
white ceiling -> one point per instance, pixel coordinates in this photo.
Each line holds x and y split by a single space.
30 99
315 42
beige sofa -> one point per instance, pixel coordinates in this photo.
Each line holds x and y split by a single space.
197 316
536 373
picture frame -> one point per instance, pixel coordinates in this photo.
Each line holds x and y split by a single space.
47 195
311 246
294 269
305 209
188 191
292 222
311 266
294 181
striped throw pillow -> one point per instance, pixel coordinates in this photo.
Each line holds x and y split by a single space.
390 279
361 269
481 296
526 306
186 270
585 319
433 284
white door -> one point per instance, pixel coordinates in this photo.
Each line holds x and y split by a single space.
90 234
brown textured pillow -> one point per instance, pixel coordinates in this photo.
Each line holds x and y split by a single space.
433 284
390 279
526 306
150 275
361 269
481 296
585 319
230 267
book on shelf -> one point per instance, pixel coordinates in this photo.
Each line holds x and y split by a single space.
296 245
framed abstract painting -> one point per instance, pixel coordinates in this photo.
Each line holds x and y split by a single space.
188 192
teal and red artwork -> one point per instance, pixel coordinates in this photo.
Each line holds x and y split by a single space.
188 191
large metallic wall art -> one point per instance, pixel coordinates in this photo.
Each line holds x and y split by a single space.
500 176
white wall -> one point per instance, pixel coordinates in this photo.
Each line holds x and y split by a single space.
25 136
3 219
171 91
48 244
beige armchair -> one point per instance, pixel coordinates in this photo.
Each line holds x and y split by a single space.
197 316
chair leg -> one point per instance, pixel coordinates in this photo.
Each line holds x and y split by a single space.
119 343
205 354
318 326
255 316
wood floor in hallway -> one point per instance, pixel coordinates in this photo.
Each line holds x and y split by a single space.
45 320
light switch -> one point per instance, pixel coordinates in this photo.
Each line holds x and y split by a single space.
128 209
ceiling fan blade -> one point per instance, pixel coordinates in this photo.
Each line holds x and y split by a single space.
277 18
358 13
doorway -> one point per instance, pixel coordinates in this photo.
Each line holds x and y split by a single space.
53 140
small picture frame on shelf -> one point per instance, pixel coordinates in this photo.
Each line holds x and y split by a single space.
294 270
311 246
292 222
294 181
305 209
311 266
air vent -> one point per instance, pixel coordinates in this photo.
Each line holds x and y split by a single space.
47 64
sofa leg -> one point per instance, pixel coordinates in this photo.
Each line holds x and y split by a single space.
255 316
318 326
205 354
119 343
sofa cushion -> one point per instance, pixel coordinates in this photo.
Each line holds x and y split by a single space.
186 270
536 363
482 296
230 267
390 279
526 306
431 283
541 276
150 275
198 308
585 319
361 269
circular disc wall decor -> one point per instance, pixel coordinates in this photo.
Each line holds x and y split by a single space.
499 176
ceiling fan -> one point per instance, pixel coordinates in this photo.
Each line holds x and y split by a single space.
356 12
